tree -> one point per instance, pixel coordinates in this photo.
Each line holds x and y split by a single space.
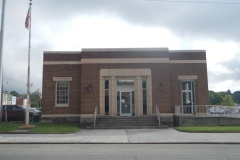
15 93
227 100
229 92
35 99
215 98
221 98
236 97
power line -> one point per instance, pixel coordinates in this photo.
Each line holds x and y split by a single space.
203 2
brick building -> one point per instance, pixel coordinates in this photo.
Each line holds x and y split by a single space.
122 82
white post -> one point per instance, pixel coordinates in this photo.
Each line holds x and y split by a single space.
5 97
1 49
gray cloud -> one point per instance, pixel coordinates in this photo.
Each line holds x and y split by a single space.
234 67
209 20
233 75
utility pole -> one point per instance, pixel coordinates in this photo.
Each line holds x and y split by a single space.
1 50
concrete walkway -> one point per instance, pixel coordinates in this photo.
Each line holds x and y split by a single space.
124 136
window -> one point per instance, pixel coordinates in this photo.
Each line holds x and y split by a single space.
188 100
133 104
62 94
106 97
144 92
125 82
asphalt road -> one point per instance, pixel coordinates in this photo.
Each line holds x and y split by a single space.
119 151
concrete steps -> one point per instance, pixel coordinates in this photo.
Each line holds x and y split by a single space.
143 122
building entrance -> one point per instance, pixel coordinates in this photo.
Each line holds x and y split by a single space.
125 98
126 103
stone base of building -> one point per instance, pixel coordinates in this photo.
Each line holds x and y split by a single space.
66 118
87 119
167 119
193 120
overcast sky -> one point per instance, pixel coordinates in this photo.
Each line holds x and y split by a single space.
70 25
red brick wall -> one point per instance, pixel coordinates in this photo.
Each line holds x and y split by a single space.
161 98
89 99
56 56
126 54
48 90
83 101
201 83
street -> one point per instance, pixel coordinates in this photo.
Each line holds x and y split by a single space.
119 151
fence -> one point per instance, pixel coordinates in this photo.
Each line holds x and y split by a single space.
208 110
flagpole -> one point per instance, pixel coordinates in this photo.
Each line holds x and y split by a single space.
1 50
28 74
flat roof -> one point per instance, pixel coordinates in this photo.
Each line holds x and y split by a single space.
122 49
186 51
62 52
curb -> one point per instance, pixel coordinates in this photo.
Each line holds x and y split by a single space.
223 143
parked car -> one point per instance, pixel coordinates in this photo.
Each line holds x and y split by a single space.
34 115
40 109
13 113
35 111
17 113
220 111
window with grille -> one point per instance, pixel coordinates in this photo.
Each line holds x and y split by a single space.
62 94
188 97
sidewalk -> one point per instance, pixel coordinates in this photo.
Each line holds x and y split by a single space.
131 136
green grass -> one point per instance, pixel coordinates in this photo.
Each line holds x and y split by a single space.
8 127
41 127
210 129
55 128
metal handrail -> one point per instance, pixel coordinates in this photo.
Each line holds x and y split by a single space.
95 116
157 114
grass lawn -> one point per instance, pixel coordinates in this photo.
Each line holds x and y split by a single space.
8 127
41 127
210 129
55 128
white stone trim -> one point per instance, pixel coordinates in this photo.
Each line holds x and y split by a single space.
124 60
68 115
135 74
62 79
125 72
86 115
189 77
120 60
167 114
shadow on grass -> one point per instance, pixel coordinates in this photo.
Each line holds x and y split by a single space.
48 128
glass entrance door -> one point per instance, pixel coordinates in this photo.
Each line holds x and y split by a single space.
126 104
